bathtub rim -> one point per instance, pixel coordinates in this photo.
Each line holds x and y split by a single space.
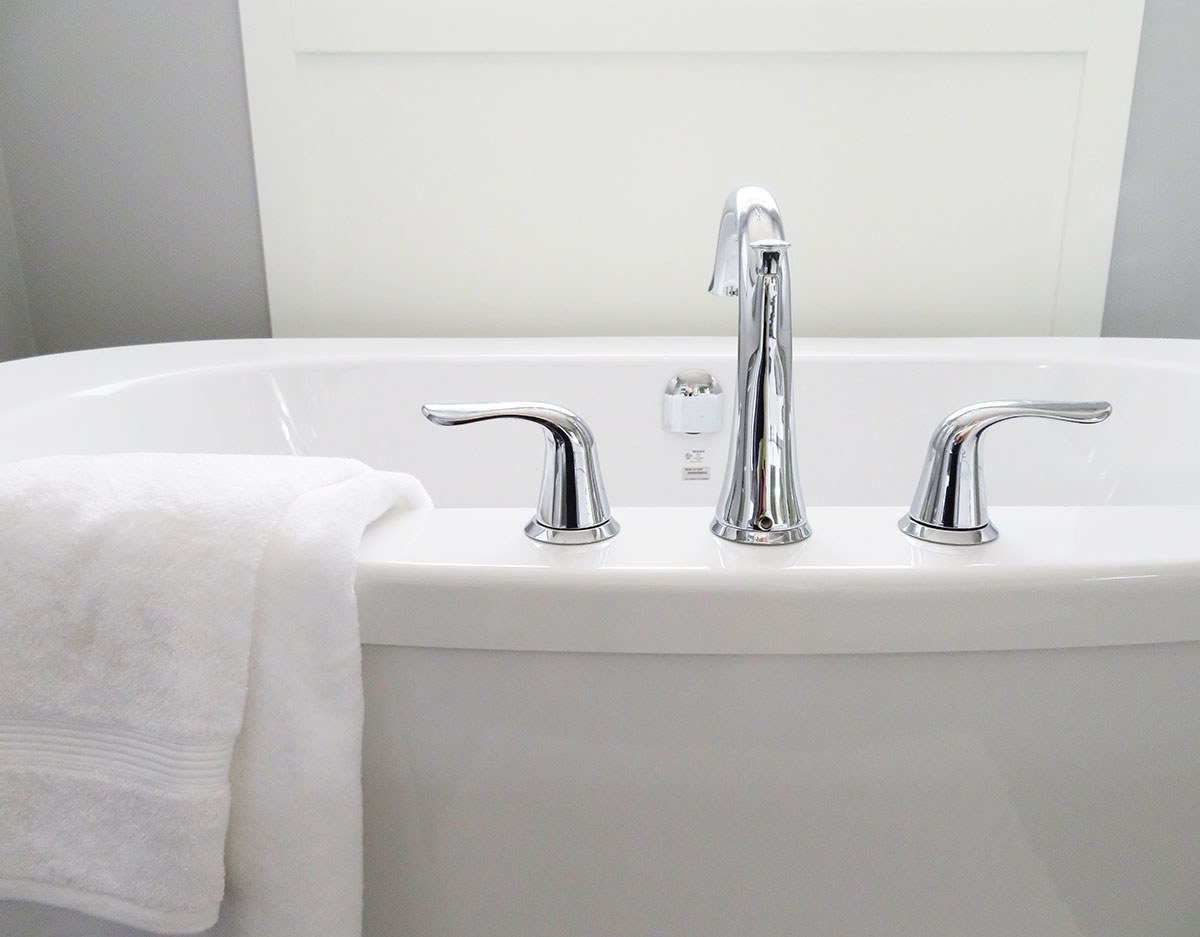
41 378
29 383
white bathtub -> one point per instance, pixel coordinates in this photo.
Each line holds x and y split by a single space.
670 734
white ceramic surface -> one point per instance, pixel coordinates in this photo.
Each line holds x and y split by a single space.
668 734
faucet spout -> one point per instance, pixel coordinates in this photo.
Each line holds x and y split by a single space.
750 214
760 500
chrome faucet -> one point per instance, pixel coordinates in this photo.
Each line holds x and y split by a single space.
760 500
573 507
949 506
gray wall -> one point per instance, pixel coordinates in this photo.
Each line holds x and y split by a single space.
125 133
1154 280
16 333
126 137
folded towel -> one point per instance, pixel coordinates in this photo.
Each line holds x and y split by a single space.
147 604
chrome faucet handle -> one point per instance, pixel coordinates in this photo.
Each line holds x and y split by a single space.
573 507
949 506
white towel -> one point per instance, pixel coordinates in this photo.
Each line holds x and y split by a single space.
147 604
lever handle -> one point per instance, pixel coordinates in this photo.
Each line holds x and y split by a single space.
573 506
949 506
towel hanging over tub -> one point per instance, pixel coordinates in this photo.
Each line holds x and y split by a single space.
174 628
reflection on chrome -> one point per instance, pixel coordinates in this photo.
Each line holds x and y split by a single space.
949 506
573 506
760 500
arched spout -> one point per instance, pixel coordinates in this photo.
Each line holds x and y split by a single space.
750 214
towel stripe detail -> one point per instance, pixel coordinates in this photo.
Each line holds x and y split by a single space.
136 756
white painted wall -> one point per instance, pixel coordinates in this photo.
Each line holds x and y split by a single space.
943 168
517 195
198 83
16 333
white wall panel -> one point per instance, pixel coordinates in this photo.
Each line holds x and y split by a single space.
943 168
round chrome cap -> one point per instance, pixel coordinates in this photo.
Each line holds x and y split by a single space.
693 383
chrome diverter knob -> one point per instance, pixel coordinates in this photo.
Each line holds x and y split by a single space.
573 507
693 403
949 506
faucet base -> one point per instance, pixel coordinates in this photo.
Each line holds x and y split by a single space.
773 537
536 530
954 536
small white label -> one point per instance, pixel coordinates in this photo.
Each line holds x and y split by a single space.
696 473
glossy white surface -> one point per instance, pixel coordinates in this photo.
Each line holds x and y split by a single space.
908 795
669 734
1102 514
1057 577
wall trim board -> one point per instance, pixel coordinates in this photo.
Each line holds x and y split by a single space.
1105 98
286 42
370 26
